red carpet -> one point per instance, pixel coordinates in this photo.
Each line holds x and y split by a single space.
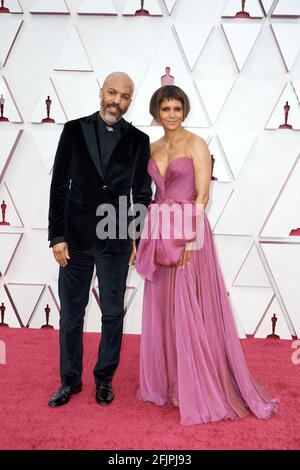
30 376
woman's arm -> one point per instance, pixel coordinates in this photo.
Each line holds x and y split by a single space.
202 169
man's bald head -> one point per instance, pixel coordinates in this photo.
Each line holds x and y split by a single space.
115 95
119 77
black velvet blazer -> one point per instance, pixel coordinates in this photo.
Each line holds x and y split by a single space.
79 186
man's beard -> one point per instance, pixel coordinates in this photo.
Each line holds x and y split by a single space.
110 118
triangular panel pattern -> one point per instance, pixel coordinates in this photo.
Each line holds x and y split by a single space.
56 111
237 149
40 217
46 139
8 34
11 214
214 93
94 7
9 141
167 67
24 298
9 243
225 246
87 93
191 37
58 7
220 172
267 6
73 55
283 260
296 87
142 8
13 6
219 195
287 9
11 111
285 216
46 314
280 328
234 9
241 38
287 37
252 272
251 304
170 4
10 318
286 111
232 220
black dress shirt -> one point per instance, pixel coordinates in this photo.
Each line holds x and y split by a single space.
108 137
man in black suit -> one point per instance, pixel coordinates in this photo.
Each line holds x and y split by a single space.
99 158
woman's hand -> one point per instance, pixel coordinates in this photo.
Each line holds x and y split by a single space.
133 254
186 255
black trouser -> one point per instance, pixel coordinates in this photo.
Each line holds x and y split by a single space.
73 288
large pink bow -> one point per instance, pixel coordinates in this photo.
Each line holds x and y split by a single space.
169 225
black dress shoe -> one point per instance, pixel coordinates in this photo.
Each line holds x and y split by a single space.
104 393
63 395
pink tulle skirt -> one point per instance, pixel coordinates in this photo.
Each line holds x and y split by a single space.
191 355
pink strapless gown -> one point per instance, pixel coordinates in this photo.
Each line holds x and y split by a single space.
191 355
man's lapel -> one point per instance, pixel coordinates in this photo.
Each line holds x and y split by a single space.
88 125
90 134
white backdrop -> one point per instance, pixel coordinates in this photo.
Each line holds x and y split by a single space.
238 73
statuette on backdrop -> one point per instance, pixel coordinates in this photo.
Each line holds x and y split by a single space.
274 321
2 103
47 314
243 13
3 9
48 119
295 232
166 79
142 11
286 116
213 178
2 312
3 211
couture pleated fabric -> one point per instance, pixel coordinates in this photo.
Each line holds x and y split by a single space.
191 355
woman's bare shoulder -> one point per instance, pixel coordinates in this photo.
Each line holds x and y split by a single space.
155 146
195 140
197 147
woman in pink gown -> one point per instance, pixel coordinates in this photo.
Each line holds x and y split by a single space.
191 355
